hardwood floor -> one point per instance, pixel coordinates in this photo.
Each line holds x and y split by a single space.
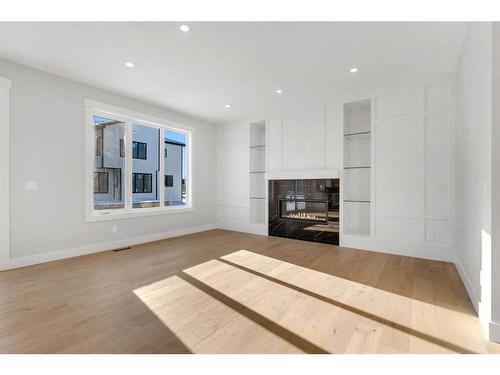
229 292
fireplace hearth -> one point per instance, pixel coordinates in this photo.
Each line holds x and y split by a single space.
305 209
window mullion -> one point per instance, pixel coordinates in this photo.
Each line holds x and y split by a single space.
128 166
161 178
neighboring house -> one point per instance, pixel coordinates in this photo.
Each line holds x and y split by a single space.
110 163
174 182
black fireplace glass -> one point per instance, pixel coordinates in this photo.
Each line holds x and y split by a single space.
314 210
305 209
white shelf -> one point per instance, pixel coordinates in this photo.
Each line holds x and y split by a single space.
258 159
257 134
257 170
356 214
257 185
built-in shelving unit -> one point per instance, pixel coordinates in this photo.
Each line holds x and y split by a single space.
357 168
258 167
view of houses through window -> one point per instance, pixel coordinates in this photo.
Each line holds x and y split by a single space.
108 164
151 178
175 168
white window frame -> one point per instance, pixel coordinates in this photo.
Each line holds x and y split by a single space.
129 118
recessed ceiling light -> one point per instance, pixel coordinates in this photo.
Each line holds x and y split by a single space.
128 64
184 28
279 91
227 105
354 70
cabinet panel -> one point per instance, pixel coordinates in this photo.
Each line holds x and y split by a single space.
274 154
333 149
437 232
437 97
304 119
399 103
399 162
438 165
333 116
400 229
303 151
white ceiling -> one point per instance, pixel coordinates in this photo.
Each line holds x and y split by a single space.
241 64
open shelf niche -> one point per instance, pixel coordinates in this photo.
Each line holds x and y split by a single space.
258 167
357 168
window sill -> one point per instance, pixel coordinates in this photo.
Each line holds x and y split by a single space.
137 212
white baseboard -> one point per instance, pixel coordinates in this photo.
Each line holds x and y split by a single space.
494 332
411 249
245 227
94 248
471 290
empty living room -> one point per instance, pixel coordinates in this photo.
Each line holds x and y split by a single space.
212 181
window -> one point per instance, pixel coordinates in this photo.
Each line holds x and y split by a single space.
139 150
126 160
169 181
176 166
100 182
98 146
145 139
107 164
122 148
142 182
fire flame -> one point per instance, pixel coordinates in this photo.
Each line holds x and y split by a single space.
302 216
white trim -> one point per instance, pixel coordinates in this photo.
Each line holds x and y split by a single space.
244 227
5 85
494 332
161 179
136 116
403 248
129 117
138 212
469 287
302 175
94 248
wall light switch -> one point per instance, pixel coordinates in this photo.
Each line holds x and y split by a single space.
114 229
31 185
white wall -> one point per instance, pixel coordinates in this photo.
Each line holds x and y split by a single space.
495 220
5 85
473 165
413 189
47 146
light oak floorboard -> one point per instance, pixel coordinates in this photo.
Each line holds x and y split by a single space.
228 292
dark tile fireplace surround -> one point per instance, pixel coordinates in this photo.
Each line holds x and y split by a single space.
305 209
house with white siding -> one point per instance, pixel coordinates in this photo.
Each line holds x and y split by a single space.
109 166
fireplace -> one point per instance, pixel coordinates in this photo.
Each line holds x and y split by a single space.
313 210
305 209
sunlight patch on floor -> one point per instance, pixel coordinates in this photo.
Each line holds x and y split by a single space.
205 325
249 303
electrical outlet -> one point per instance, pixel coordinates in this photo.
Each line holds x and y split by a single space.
430 236
31 185
114 229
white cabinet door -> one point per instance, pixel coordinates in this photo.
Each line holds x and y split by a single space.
400 168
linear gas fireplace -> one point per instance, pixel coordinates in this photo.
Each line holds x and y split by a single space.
305 209
315 210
